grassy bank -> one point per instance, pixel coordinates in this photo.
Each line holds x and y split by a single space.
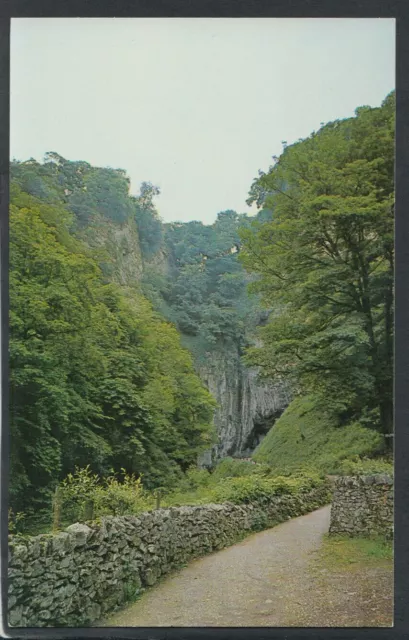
307 437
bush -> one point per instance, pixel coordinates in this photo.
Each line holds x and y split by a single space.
240 481
365 466
16 521
195 478
120 498
233 468
108 497
76 491
256 488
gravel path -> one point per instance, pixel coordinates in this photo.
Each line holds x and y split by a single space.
270 580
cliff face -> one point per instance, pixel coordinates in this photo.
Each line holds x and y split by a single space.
160 261
247 409
118 245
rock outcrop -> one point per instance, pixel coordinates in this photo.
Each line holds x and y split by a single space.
248 407
117 246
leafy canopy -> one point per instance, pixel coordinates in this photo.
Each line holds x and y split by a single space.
96 376
325 265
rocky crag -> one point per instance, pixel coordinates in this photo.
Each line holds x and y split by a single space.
248 407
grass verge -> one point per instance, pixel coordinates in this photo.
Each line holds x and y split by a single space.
342 552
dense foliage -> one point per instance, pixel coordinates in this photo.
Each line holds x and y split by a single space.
87 191
205 290
232 483
326 266
363 466
92 193
116 494
96 376
99 378
149 224
196 487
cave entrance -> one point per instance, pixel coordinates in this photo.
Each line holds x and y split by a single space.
261 426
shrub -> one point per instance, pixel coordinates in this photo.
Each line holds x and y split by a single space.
16 521
256 488
77 489
120 498
195 478
109 497
365 466
233 468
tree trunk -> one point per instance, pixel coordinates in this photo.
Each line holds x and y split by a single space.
386 411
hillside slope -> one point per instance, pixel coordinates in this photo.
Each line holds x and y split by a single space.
97 377
305 435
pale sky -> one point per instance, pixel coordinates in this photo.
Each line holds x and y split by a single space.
194 105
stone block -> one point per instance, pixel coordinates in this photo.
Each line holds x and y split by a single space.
79 533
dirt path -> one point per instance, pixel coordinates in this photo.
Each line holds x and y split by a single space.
269 579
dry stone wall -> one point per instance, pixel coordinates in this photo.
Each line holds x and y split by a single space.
76 577
362 506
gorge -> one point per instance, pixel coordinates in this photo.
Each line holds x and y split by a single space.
191 274
149 347
114 294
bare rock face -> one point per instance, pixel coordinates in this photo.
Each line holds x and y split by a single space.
160 261
263 402
247 408
128 259
119 247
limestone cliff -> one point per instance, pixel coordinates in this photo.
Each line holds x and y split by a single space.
247 409
118 249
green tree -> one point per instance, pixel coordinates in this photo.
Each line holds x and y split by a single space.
147 220
207 296
325 265
53 360
96 376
